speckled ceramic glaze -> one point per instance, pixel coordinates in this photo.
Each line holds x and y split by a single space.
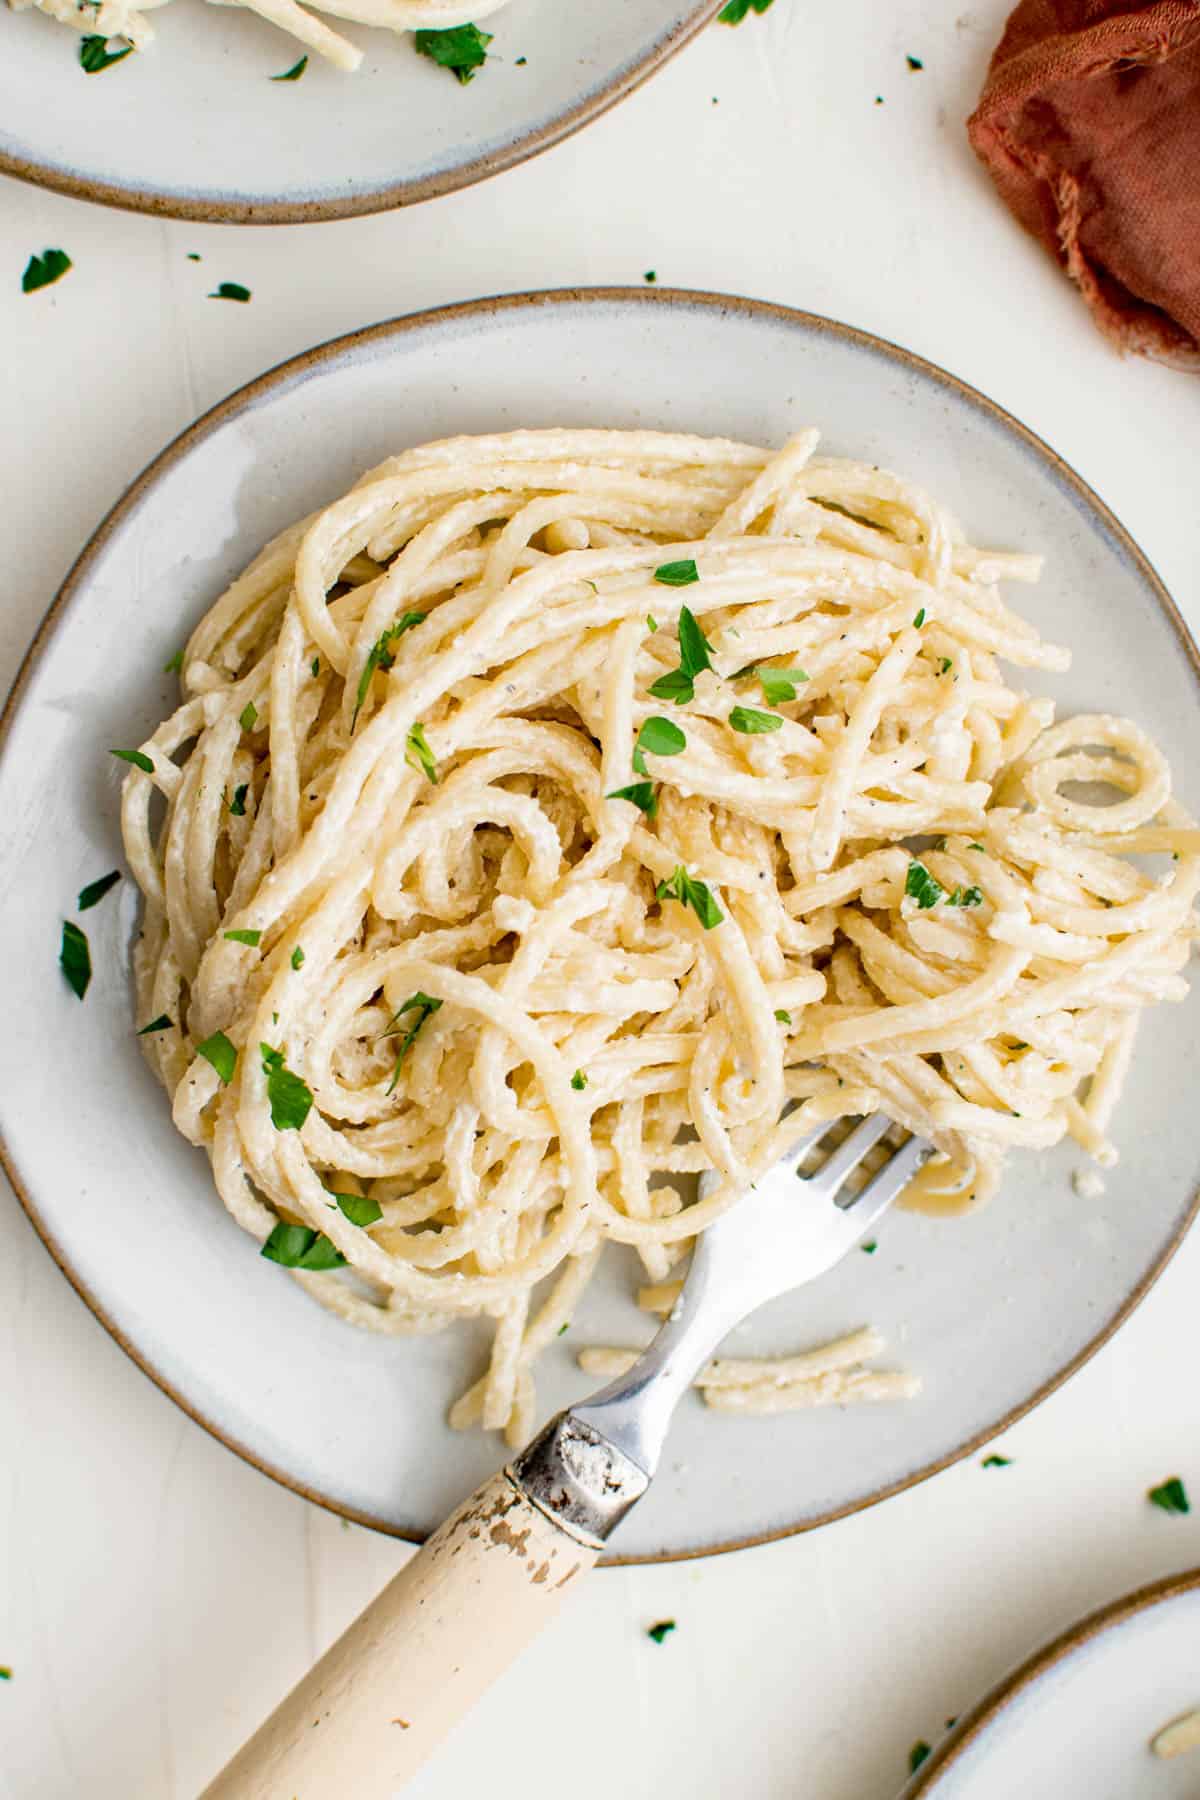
192 127
1078 1718
991 1311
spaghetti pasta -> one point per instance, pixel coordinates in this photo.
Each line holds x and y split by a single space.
550 813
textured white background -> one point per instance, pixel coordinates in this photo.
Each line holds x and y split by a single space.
155 1595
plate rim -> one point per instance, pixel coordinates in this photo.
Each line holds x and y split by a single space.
1048 1656
309 362
212 210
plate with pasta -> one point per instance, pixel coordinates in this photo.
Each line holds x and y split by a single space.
501 807
274 111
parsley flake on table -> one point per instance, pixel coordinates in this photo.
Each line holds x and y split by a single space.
288 1093
42 271
869 1247
299 1247
424 1006
997 1462
922 886
1170 1496
75 959
5 1672
138 758
230 290
778 685
689 892
651 276
251 938
663 1629
218 1051
914 62
750 721
419 756
175 666
579 1081
462 49
96 890
294 73
678 574
95 55
917 1755
380 656
162 1023
358 1208
735 11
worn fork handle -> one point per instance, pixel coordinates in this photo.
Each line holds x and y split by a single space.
366 1716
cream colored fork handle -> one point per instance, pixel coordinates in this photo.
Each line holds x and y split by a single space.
363 1720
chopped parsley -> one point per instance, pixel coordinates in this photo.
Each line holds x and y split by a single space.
316 666
175 666
75 959
138 758
289 1095
782 1017
380 656
252 938
651 622
869 1247
922 886
690 892
298 1247
294 73
779 685
651 276
95 55
5 1672
230 290
96 890
695 654
978 847
914 62
162 1023
194 256
665 1626
579 1081
750 721
218 1051
961 896
423 1005
1170 1496
917 1755
677 574
248 717
947 663
661 738
462 49
298 957
563 1328
418 755
735 11
358 1208
997 1462
641 794
42 271
237 805
919 618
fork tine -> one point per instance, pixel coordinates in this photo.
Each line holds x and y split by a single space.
887 1182
850 1152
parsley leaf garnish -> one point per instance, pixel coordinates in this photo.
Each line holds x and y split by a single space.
678 574
1170 1495
962 896
298 1247
736 10
237 805
676 686
294 73
380 656
248 717
75 959
579 1081
42 271
661 738
947 664
358 1208
218 1051
690 892
253 938
418 755
784 1018
95 55
997 1462
694 655
651 622
641 794
298 957
289 1095
779 685
462 49
748 720
162 1023
922 886
96 890
423 1005
919 618
661 1630
138 758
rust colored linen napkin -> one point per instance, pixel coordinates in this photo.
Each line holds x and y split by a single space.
1089 124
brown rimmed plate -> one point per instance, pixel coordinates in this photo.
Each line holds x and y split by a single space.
992 1312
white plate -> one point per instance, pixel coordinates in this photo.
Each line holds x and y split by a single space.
192 127
992 1311
1077 1718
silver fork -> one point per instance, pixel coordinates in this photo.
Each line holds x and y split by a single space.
494 1574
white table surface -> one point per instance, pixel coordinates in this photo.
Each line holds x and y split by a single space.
157 1596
